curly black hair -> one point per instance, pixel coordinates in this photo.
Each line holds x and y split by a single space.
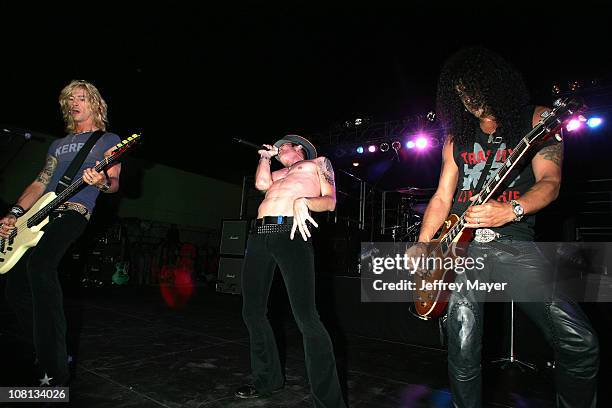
490 79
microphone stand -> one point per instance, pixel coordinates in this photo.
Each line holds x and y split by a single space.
26 136
14 156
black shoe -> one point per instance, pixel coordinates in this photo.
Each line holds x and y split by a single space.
247 391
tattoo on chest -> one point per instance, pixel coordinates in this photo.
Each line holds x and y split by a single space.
327 171
47 172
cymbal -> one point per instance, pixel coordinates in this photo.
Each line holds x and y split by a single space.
422 192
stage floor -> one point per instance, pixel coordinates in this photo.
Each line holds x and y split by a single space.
134 351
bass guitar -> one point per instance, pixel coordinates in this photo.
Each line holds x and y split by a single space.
28 228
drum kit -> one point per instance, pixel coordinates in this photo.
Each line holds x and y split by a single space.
403 210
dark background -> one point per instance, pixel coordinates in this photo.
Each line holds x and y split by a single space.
192 77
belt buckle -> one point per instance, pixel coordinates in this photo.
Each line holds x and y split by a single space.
279 219
484 235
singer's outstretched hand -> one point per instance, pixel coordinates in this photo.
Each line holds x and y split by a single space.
268 154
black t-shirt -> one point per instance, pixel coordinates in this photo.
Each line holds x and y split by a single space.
471 162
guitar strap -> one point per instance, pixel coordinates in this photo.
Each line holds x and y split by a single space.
493 142
78 161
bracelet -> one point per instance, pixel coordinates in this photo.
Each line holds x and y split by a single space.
103 188
17 211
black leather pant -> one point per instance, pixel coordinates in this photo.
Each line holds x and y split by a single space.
295 259
562 322
34 292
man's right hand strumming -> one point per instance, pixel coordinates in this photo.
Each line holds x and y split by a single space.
417 252
7 225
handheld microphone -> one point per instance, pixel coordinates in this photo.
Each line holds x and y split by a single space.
250 144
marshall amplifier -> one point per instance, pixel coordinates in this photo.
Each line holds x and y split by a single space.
229 276
234 237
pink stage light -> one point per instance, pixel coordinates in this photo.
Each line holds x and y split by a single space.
421 143
372 149
573 124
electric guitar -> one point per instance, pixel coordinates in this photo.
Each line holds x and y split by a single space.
431 303
27 232
121 276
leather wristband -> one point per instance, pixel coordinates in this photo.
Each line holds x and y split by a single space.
17 211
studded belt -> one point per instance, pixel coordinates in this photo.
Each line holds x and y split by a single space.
80 208
272 225
274 220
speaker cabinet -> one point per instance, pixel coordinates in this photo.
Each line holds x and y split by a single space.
233 237
229 276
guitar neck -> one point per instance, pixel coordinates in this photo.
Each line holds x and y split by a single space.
494 182
68 191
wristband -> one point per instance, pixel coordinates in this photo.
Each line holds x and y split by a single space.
17 211
103 188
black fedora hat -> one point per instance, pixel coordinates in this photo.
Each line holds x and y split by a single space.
310 151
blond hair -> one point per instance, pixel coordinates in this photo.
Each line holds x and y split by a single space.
97 103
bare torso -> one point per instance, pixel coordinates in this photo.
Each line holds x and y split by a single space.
302 180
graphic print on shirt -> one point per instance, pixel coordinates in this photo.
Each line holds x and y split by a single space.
68 148
473 165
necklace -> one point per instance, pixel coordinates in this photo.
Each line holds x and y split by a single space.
491 137
80 133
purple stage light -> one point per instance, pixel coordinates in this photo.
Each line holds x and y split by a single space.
572 125
421 143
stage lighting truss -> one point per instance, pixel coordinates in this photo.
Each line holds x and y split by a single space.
361 136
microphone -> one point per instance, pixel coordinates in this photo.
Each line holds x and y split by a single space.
23 133
250 144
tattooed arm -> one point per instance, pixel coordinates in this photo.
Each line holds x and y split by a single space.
546 167
35 190
327 200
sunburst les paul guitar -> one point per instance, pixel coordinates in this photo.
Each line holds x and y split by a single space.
453 233
28 228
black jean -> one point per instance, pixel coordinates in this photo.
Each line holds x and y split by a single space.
34 292
564 325
295 259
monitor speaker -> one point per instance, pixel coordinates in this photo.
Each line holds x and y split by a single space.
233 237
